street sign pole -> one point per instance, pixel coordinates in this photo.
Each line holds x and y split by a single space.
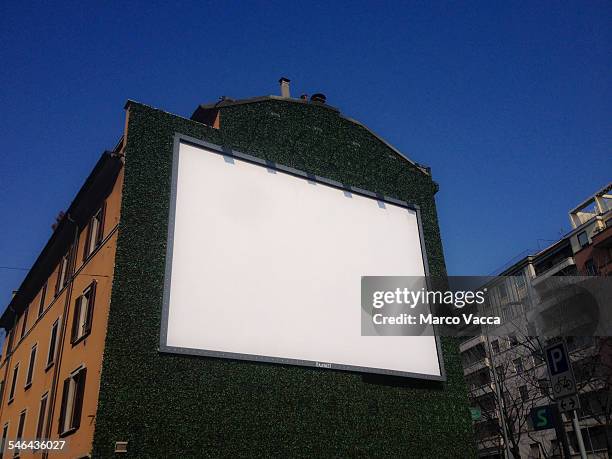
563 385
549 417
561 433
578 432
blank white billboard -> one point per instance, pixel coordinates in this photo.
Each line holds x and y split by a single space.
265 263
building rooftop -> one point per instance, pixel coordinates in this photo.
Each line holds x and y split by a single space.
78 212
597 204
208 113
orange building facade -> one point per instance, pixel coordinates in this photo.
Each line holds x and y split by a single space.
56 325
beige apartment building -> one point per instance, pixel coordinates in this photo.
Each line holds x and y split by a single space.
507 376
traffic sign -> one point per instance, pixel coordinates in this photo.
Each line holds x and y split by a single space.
569 403
560 371
543 417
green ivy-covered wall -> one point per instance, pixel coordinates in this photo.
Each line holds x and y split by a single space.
184 406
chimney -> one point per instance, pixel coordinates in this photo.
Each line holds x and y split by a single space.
318 98
284 87
58 220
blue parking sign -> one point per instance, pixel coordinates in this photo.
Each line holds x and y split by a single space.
557 359
560 372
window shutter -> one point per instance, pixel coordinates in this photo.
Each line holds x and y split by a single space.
41 305
70 261
78 399
59 276
53 342
100 234
87 241
42 412
90 307
14 382
9 345
62 415
74 334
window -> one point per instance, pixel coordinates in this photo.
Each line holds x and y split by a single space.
9 342
41 304
42 413
499 369
578 342
597 437
13 383
495 346
534 451
503 291
22 417
28 382
543 384
95 232
583 239
513 340
4 435
520 281
538 359
524 393
52 344
555 447
83 314
590 268
72 402
24 325
518 365
62 274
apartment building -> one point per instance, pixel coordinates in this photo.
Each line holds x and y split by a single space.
506 375
591 237
56 323
83 360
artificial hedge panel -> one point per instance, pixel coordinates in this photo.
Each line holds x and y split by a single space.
186 406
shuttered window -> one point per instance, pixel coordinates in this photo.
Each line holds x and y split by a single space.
9 342
24 324
4 435
30 373
63 273
95 232
52 344
20 428
72 402
42 413
83 314
41 304
13 383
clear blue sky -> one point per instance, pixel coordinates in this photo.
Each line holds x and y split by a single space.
508 102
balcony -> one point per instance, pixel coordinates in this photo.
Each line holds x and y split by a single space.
492 442
480 391
566 263
476 366
471 342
